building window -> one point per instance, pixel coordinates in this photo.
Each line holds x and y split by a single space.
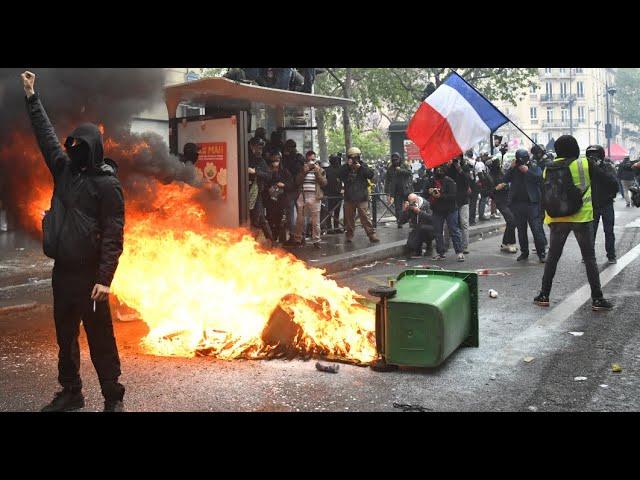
581 114
579 70
533 88
563 89
549 137
564 114
548 89
563 70
534 113
549 114
534 137
547 71
580 89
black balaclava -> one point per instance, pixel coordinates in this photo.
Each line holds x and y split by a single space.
439 173
395 160
89 155
567 147
335 160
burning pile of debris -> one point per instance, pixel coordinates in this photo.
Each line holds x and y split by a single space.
200 289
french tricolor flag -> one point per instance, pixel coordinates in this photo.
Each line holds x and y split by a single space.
451 120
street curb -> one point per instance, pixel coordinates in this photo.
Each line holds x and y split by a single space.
346 261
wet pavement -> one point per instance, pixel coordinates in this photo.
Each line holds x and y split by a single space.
493 377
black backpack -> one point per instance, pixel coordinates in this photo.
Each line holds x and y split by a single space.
560 196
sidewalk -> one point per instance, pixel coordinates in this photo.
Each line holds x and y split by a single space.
335 255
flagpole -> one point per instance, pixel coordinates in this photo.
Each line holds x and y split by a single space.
491 103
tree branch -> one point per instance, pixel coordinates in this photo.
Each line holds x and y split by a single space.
340 82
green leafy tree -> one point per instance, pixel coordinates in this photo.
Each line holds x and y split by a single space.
627 97
396 92
374 144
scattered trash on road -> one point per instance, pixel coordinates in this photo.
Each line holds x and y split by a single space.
528 359
532 408
616 368
410 408
604 385
577 334
493 293
327 368
580 379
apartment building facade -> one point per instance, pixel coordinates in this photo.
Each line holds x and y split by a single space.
569 101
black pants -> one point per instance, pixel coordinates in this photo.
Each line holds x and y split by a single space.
258 219
509 237
333 206
417 236
608 220
398 200
275 215
473 205
528 214
71 304
584 235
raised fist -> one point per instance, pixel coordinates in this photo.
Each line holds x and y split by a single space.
28 79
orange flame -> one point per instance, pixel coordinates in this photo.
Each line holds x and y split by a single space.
204 289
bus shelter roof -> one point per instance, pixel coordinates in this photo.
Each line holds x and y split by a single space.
225 94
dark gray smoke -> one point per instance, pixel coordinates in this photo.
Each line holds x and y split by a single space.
107 96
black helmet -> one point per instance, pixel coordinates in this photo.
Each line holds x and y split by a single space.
596 151
522 154
537 149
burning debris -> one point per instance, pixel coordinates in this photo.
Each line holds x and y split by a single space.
201 290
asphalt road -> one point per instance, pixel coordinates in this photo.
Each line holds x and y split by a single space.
493 377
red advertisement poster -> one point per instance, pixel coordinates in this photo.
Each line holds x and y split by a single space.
411 151
212 161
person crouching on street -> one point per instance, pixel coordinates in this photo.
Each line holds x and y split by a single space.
309 181
417 212
442 194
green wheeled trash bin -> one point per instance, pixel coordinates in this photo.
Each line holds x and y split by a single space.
425 317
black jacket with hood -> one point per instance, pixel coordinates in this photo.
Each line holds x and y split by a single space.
89 232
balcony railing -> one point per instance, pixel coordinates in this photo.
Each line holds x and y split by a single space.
559 124
548 98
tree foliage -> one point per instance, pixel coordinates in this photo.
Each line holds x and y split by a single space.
374 144
627 98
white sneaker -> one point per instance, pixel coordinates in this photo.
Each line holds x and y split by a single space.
512 249
461 257
505 248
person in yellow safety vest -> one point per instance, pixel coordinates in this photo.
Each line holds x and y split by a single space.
580 223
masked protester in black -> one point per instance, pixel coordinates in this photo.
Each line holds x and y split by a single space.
83 232
257 176
542 160
333 190
274 195
604 188
398 183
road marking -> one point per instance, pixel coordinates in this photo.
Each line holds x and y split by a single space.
634 224
525 342
29 284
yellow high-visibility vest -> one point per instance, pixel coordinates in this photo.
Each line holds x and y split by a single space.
580 174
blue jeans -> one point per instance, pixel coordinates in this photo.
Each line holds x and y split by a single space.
528 214
608 220
451 220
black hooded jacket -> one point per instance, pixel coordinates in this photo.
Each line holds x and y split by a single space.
89 233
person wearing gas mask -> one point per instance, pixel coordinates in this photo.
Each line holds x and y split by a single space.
83 233
567 193
257 176
398 184
626 175
442 194
604 188
417 212
525 178
334 190
355 175
274 196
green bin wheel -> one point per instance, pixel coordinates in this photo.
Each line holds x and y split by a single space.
380 365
